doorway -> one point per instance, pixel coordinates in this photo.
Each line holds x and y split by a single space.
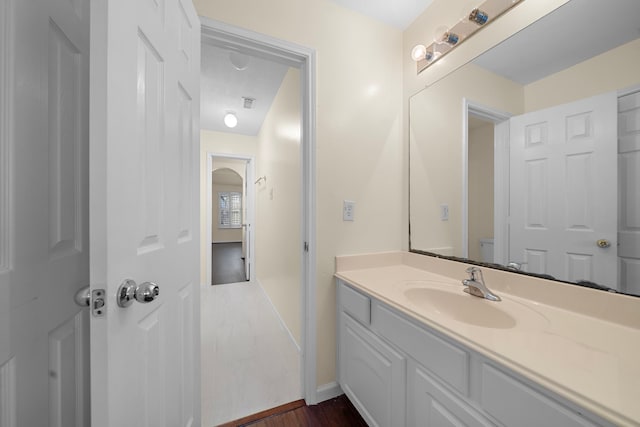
267 187
230 218
485 169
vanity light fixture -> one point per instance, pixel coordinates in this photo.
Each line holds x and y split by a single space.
478 16
418 52
230 120
448 38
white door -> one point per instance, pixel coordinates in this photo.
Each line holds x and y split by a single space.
44 253
246 222
563 163
145 65
629 191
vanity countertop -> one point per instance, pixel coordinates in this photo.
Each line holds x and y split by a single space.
580 343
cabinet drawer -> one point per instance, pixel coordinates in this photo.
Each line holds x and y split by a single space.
446 361
513 403
355 303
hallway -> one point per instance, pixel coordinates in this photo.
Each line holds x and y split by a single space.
249 361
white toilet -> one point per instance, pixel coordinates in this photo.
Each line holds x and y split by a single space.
486 249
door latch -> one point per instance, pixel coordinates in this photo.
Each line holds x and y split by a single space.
94 299
98 303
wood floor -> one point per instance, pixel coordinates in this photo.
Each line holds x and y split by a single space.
338 412
227 264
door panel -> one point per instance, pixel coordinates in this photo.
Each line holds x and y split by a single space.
629 192
563 166
144 178
44 100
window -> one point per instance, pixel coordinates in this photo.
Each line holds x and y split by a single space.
229 209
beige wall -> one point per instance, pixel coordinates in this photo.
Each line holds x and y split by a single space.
480 187
236 165
359 132
278 204
217 143
616 69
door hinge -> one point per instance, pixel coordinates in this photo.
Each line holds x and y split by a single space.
306 246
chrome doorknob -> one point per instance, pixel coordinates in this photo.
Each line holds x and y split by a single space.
143 293
147 292
83 297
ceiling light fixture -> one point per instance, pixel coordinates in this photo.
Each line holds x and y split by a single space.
446 39
238 60
230 120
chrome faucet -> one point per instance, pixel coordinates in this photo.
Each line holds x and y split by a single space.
476 287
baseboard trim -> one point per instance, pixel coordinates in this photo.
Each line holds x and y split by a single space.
328 391
265 414
282 323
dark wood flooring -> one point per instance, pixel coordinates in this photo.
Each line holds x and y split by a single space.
338 412
227 264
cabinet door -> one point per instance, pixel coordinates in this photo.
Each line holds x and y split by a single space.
431 405
371 374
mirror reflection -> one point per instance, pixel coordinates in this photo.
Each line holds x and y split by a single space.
529 156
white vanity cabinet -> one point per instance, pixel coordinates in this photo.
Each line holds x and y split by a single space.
371 372
399 372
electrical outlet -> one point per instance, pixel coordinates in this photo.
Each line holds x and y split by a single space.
348 210
444 212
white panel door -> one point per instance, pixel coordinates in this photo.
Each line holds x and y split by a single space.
629 192
563 163
44 253
144 211
246 224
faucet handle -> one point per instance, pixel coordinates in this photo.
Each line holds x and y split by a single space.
472 272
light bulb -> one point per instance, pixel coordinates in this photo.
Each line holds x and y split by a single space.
230 120
418 52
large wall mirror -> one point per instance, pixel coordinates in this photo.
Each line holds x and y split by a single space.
528 157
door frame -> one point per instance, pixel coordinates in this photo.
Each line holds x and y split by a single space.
303 58
250 206
500 165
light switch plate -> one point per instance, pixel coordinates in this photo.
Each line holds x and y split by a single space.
348 210
444 212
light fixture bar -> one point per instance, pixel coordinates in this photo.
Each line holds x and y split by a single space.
477 19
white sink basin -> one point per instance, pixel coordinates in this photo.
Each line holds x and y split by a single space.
450 302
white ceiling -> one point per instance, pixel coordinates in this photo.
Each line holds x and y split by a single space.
571 34
397 13
223 86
